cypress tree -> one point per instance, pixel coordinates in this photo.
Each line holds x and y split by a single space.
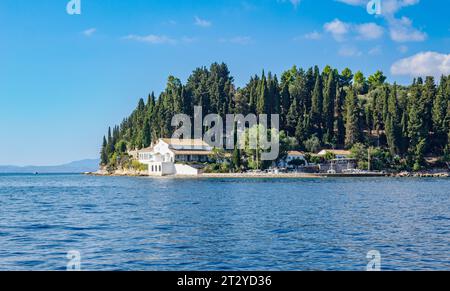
236 151
352 135
429 93
147 134
439 115
110 149
339 124
316 108
263 98
285 104
417 131
415 119
292 118
393 133
103 153
328 107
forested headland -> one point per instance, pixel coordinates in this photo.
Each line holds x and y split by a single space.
405 127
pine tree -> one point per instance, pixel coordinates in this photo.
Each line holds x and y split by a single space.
360 83
376 79
346 77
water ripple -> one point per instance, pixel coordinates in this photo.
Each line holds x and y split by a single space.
223 224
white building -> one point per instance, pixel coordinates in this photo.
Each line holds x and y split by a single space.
339 154
291 157
175 157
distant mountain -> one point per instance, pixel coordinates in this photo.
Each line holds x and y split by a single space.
89 165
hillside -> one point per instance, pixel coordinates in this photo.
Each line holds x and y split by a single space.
88 165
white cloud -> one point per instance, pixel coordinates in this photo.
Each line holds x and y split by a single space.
353 2
388 7
293 2
337 28
349 51
393 6
365 31
151 39
241 40
89 32
402 30
202 22
369 31
423 64
312 36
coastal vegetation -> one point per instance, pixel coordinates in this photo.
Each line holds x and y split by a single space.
398 127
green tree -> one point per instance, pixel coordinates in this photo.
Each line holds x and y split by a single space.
417 131
236 151
346 78
147 134
376 79
313 145
317 106
339 125
439 113
103 153
393 132
360 83
292 118
428 95
352 130
263 98
329 97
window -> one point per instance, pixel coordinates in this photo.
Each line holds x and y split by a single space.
160 168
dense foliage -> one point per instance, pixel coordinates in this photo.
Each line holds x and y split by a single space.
318 109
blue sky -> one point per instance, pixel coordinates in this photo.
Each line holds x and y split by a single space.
66 78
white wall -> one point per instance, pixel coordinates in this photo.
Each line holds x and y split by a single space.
185 170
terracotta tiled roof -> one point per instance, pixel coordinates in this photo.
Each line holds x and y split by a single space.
337 152
185 142
296 153
146 150
193 153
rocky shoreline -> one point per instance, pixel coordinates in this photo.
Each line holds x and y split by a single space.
119 173
135 173
443 174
